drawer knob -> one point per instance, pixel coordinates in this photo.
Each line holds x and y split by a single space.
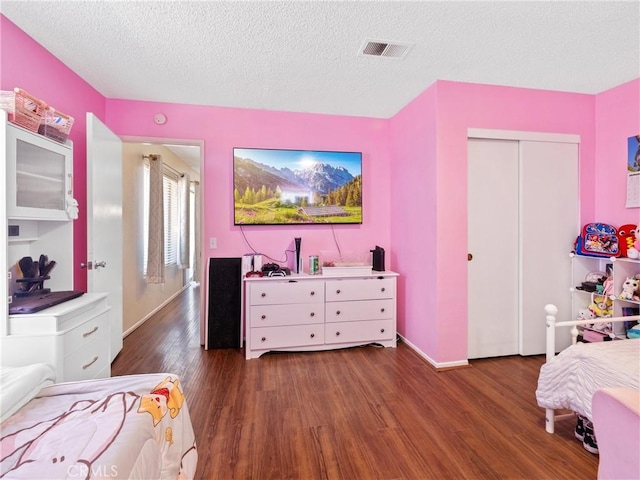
86 334
382 310
337 334
338 291
313 314
263 295
95 359
382 289
382 330
312 335
313 293
264 339
338 312
263 317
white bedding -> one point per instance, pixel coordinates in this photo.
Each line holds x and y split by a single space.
18 385
571 378
134 426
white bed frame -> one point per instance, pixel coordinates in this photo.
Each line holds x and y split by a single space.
552 312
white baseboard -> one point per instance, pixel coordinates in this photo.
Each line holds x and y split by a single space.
438 365
153 312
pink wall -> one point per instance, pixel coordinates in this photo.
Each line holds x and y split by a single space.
414 218
438 325
225 128
26 64
617 118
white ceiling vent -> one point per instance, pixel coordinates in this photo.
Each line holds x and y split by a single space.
377 48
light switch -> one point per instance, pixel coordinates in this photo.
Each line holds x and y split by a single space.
213 243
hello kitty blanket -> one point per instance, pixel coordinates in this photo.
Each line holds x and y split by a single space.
135 426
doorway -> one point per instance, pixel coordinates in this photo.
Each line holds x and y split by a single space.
180 160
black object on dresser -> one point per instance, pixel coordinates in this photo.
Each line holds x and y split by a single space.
224 301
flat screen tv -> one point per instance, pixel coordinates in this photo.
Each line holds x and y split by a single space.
290 187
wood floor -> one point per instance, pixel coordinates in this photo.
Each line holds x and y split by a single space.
360 413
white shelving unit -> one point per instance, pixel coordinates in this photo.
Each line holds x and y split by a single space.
621 268
72 336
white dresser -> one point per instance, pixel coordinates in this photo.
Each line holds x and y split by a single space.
73 337
319 312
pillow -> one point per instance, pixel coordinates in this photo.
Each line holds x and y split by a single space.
18 385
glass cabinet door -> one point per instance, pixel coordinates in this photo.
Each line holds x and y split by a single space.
40 177
39 181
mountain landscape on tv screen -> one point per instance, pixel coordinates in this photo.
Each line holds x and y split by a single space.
317 193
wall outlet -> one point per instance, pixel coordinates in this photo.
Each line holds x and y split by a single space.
213 243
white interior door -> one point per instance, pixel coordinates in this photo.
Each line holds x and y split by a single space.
104 220
549 207
493 244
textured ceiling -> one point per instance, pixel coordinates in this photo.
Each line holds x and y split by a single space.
302 56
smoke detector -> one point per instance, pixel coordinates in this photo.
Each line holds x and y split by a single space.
381 48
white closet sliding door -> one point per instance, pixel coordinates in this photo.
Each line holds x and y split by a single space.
550 224
493 238
522 220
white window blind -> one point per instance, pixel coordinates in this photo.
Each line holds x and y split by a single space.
171 223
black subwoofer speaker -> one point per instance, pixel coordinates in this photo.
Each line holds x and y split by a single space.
225 284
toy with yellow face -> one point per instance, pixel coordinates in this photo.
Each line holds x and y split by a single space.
165 397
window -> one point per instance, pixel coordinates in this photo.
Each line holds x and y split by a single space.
170 207
171 224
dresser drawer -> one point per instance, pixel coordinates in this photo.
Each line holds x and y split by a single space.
360 310
79 336
294 314
88 362
366 331
362 289
269 338
268 293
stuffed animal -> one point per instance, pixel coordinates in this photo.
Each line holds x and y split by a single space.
626 237
585 314
633 251
601 306
630 288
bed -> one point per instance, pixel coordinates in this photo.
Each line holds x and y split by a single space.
134 426
568 380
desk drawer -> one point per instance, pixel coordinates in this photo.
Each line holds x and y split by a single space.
88 362
79 336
